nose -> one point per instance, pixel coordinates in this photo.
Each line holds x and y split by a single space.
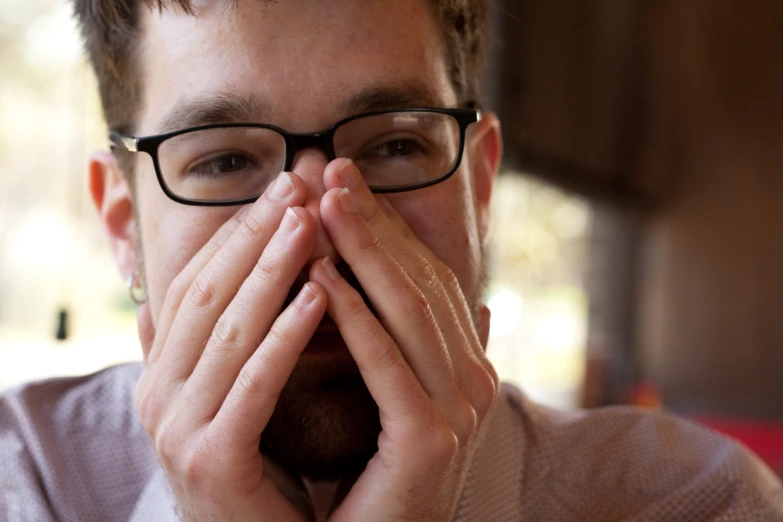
309 165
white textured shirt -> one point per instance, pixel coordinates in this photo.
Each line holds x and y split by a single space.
73 450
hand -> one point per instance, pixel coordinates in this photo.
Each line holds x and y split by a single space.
422 359
213 373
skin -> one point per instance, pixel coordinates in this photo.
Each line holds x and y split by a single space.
218 351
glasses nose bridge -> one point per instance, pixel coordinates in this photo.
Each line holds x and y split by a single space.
296 143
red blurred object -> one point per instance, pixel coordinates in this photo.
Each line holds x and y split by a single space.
647 395
765 439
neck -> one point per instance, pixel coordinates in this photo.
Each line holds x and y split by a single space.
315 500
322 495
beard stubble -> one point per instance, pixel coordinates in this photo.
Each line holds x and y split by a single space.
326 424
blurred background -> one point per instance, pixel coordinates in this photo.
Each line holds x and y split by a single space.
637 228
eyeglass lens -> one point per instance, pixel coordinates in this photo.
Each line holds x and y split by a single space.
232 163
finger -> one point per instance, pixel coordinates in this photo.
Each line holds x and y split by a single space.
449 281
146 338
389 379
428 360
401 242
411 313
216 284
145 328
276 194
474 323
407 311
436 281
161 379
180 284
252 398
248 318
477 373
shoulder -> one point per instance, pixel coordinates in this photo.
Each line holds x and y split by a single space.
98 401
628 460
73 447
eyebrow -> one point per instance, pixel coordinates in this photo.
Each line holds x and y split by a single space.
214 108
405 96
232 108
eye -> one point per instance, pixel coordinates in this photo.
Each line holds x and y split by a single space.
231 163
399 148
217 166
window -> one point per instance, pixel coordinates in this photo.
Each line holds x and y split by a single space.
539 248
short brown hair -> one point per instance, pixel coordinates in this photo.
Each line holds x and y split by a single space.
110 31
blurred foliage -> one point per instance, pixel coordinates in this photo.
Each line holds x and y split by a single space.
539 246
53 252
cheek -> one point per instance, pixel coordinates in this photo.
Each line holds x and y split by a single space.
172 234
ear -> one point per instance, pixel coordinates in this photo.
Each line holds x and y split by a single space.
486 150
113 200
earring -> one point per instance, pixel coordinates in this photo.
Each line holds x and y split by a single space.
136 289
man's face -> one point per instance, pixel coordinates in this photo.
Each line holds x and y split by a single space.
307 63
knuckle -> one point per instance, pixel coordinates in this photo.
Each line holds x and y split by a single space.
425 275
192 467
485 387
264 272
494 378
178 288
356 309
147 407
412 431
252 227
203 291
418 307
371 245
467 419
226 335
491 379
168 445
190 461
186 455
449 279
195 468
386 353
372 213
443 444
251 385
276 338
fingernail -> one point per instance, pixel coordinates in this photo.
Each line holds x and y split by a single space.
290 222
329 269
282 188
346 173
306 296
346 201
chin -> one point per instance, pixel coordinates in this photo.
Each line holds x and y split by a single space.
326 424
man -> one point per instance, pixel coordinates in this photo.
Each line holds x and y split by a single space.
298 193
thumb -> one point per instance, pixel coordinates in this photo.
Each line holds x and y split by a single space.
146 329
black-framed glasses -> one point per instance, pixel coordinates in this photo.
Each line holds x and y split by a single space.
233 163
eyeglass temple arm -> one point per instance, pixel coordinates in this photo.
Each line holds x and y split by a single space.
129 144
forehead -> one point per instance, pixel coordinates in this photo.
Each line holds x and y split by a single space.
299 63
